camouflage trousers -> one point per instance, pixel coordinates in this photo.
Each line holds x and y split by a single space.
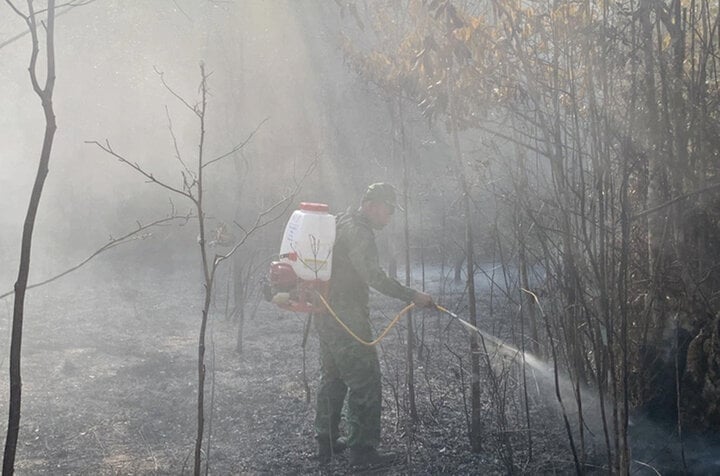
348 369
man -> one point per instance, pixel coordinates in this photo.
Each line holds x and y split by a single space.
348 367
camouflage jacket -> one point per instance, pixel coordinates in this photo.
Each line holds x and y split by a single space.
356 266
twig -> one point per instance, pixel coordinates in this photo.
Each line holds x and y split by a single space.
674 200
147 447
462 385
556 379
19 13
647 466
239 146
70 6
185 462
107 148
102 447
175 143
194 109
259 223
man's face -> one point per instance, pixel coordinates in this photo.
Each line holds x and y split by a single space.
379 214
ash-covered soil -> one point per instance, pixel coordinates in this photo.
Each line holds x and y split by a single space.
110 380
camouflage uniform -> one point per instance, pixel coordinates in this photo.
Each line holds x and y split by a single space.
347 366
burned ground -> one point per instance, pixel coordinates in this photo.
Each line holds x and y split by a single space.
109 368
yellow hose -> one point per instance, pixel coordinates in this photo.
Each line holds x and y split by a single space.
446 311
355 336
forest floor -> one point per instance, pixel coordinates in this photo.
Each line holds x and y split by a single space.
110 382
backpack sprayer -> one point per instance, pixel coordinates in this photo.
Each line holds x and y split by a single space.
305 261
300 279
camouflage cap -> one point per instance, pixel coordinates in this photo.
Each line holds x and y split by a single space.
381 192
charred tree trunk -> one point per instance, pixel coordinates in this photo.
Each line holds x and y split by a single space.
410 376
46 96
208 270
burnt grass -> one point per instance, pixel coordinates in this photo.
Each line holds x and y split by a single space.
110 380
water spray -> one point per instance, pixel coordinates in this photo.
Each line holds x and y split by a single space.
503 347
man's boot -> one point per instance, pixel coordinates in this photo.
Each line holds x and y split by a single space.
328 448
369 457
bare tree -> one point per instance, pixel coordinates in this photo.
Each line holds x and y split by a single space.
45 93
67 7
193 189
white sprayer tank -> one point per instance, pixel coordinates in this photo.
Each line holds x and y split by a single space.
308 241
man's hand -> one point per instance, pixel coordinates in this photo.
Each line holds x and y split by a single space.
422 299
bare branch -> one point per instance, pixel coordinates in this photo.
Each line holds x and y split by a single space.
139 169
175 144
13 39
261 220
194 109
674 200
70 6
109 245
19 13
239 146
30 19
